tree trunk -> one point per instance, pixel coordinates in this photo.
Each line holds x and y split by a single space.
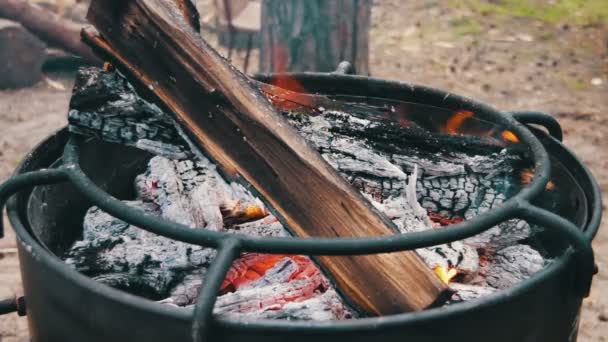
315 35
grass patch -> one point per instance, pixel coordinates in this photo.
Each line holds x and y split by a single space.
465 26
581 12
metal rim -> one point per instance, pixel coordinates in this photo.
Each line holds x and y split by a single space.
229 246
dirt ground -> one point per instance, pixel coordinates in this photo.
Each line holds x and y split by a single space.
557 64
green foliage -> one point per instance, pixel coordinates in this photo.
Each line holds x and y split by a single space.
582 12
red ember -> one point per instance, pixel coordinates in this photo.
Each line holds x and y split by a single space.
252 266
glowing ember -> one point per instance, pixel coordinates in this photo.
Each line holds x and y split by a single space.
527 175
237 212
252 266
454 124
444 221
510 136
446 274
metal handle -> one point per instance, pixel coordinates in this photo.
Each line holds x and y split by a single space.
15 304
345 68
539 118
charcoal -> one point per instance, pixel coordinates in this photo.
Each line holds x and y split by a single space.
126 257
503 235
337 136
191 192
403 181
271 297
106 106
187 290
510 266
466 292
324 307
409 217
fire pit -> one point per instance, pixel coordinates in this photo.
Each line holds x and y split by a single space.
64 305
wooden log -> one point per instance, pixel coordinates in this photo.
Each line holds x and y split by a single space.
21 56
229 119
47 25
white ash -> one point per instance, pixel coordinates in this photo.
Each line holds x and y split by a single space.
466 292
324 307
268 226
510 266
191 192
125 256
505 234
409 217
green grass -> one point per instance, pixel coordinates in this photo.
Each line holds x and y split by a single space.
466 26
582 12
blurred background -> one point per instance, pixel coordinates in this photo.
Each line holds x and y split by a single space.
545 55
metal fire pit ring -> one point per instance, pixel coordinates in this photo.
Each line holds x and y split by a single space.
229 246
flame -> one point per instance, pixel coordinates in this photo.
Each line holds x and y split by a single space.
281 60
454 124
527 175
255 212
446 274
236 212
509 136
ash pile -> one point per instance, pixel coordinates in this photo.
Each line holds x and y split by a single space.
415 183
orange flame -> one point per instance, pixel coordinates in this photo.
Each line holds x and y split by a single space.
510 136
527 175
454 124
281 59
446 274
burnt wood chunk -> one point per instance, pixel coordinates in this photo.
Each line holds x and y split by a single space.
230 120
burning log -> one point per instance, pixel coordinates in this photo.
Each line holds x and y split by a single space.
249 141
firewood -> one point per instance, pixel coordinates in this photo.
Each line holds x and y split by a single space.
21 56
229 119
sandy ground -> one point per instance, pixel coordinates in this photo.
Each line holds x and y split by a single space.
511 63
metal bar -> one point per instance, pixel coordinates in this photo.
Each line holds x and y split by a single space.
26 180
539 118
579 242
202 320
